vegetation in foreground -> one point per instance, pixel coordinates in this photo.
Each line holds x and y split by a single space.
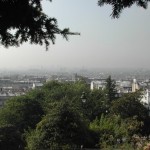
54 117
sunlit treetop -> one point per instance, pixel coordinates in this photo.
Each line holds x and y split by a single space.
119 5
24 21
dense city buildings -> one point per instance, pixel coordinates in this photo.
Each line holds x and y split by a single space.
126 82
17 85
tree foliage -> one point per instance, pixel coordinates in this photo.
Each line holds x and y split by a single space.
129 105
119 5
110 89
62 127
10 138
55 116
111 128
58 92
21 112
24 20
96 104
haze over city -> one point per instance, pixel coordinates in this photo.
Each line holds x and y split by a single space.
104 42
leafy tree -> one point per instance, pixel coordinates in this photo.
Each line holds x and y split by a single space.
10 138
17 115
96 100
21 112
55 117
62 127
118 5
111 128
56 91
129 105
38 95
110 89
96 104
24 20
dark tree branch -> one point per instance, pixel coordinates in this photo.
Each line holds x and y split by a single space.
119 5
24 21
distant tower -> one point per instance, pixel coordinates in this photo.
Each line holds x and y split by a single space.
75 77
92 85
135 86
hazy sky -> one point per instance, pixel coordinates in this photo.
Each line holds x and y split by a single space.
104 42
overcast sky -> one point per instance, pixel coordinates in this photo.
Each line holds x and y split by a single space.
104 42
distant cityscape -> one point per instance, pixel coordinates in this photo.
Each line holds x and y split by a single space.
16 83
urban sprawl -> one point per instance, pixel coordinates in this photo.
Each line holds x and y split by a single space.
16 85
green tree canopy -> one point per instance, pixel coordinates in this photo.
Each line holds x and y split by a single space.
17 115
110 89
10 138
111 128
96 104
61 127
21 112
58 92
55 116
129 105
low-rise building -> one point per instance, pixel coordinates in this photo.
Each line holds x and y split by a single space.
97 85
